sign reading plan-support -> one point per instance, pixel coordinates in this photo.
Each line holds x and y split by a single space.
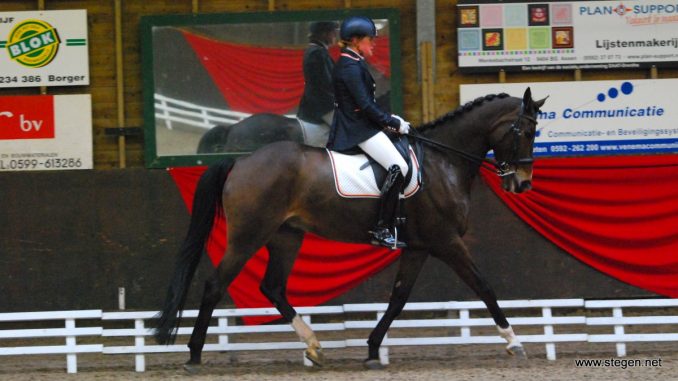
566 35
47 48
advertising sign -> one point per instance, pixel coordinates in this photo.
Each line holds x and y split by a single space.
598 117
566 35
47 48
45 132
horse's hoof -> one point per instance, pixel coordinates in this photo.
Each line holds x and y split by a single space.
192 368
315 355
518 351
373 364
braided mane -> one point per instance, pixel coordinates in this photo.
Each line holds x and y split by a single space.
468 106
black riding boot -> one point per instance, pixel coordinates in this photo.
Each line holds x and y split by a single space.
390 191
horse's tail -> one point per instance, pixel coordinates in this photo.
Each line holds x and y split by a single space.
206 207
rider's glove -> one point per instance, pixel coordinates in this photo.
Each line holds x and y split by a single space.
404 125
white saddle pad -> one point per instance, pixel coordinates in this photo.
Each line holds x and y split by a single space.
353 182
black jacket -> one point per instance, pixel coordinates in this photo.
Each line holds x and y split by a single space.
318 98
357 117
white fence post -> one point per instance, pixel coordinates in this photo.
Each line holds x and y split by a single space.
548 331
139 343
223 324
71 357
464 316
619 330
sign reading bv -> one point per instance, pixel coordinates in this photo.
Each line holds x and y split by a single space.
45 132
46 48
27 117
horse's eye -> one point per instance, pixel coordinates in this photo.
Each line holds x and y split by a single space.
529 134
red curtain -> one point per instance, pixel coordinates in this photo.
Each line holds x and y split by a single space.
252 79
617 214
256 79
323 270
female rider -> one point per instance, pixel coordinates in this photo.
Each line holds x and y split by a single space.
359 122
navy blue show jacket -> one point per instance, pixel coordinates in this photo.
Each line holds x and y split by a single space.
318 98
357 117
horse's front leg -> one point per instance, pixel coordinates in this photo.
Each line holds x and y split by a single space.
456 255
411 262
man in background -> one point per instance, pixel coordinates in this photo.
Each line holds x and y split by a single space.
317 104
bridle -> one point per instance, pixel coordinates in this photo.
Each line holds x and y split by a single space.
502 168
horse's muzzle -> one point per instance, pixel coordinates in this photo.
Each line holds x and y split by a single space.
525 186
515 184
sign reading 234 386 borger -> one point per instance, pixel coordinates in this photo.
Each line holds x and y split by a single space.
47 48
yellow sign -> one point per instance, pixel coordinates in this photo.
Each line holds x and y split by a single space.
33 43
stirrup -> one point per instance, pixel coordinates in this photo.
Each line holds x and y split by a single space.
383 237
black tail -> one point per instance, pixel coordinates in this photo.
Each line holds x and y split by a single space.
206 207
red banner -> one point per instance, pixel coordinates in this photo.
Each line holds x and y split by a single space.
27 117
617 214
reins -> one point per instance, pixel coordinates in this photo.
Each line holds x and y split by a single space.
481 161
501 168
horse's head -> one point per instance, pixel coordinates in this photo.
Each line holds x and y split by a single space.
512 140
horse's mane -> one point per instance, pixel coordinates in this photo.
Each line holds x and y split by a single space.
468 106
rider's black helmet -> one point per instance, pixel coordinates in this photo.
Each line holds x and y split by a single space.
320 27
357 26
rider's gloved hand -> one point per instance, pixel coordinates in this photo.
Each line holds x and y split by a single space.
404 125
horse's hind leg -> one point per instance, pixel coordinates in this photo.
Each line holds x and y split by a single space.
283 249
411 263
215 287
456 255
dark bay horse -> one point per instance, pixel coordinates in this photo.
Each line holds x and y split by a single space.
293 192
251 133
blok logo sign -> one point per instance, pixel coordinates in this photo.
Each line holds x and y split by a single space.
33 43
27 117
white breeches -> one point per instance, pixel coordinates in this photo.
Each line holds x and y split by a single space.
380 148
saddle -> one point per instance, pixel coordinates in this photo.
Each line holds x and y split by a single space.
353 179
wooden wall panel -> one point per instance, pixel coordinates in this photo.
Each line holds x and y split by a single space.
101 23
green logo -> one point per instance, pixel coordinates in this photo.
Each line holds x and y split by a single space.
33 43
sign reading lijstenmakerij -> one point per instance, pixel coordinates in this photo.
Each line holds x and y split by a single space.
47 48
566 35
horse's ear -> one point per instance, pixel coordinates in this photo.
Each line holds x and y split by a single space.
527 97
540 103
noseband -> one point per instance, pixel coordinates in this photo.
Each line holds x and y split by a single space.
502 168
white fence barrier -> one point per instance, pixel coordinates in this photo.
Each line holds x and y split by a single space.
548 322
70 332
171 111
619 322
